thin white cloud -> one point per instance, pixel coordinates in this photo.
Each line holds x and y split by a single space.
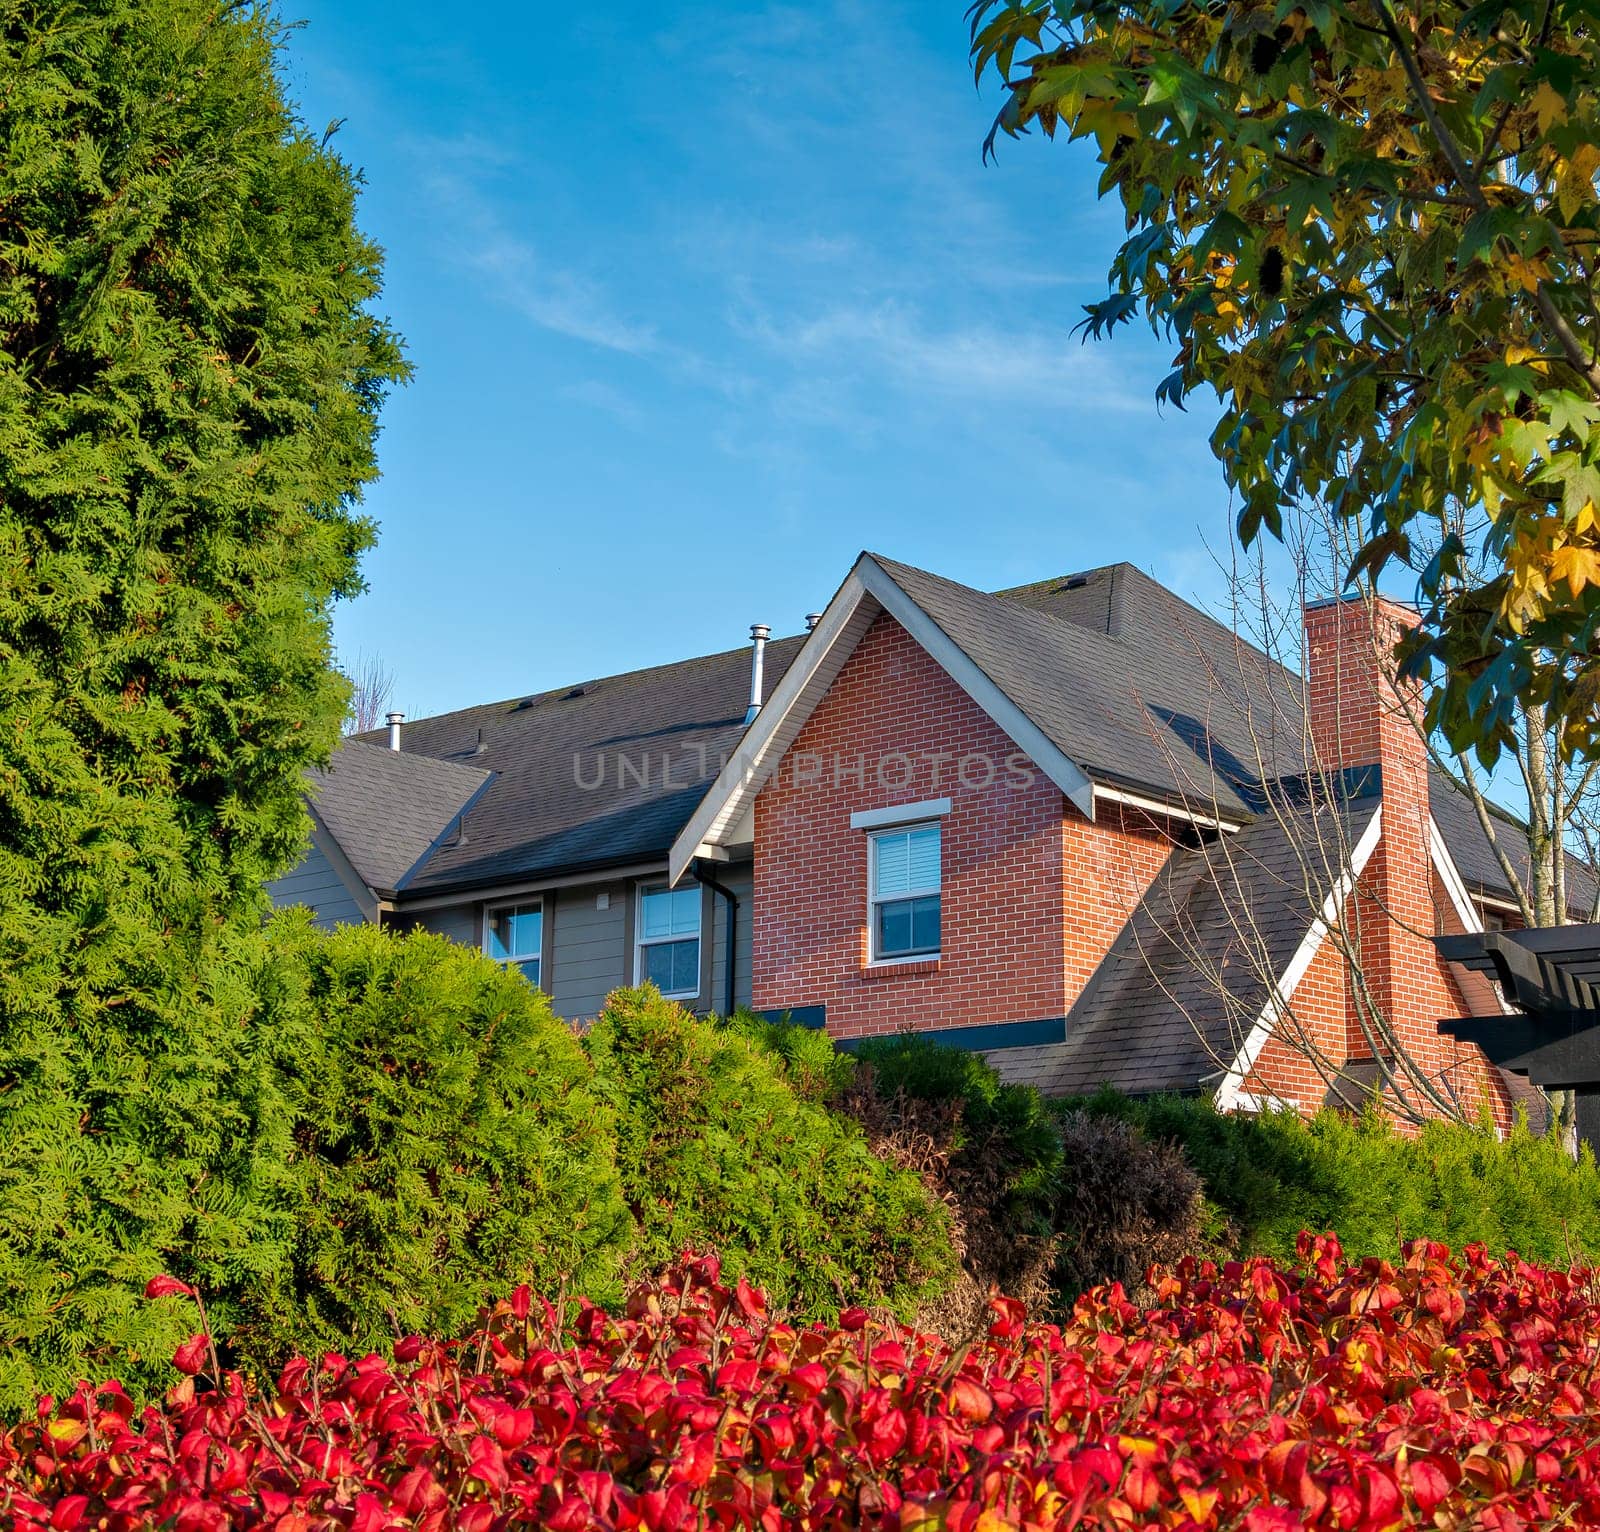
453 175
975 362
595 394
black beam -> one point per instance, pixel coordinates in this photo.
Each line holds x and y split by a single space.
1558 1050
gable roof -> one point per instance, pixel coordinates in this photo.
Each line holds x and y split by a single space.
389 810
1106 677
1124 685
1130 714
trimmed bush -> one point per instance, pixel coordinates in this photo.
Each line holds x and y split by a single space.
1274 1174
1124 1203
448 1143
717 1148
1005 1131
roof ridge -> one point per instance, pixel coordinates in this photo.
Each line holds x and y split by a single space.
555 692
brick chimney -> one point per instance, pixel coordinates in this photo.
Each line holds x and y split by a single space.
1355 720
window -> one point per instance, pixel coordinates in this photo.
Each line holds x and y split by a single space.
904 880
669 940
514 935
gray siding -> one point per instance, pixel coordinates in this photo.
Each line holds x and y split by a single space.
316 885
460 922
589 954
588 951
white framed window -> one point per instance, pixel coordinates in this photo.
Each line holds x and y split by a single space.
667 940
513 934
903 888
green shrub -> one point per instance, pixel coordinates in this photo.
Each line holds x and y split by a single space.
805 1055
1004 1130
717 1148
448 1142
1274 1174
191 368
146 1137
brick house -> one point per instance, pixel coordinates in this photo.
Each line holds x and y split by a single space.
1078 825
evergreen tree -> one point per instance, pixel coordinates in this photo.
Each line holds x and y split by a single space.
190 377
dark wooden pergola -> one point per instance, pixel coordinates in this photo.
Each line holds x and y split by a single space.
1552 977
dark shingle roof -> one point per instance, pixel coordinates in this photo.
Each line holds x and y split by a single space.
1134 685
601 773
1181 987
388 809
1474 853
1130 681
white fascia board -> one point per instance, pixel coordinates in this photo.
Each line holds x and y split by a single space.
867 590
1231 1095
1466 911
761 746
1248 1101
975 682
1454 884
1166 810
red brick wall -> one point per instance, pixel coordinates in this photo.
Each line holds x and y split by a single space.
1110 863
1323 999
1034 894
1019 935
1355 720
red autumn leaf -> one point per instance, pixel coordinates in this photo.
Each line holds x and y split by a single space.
69 1512
167 1287
1429 1485
972 1400
1256 1397
752 1304
190 1357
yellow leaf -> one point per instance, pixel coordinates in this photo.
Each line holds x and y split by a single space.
1548 106
1577 566
1525 273
1575 180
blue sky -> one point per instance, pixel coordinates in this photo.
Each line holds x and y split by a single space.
705 298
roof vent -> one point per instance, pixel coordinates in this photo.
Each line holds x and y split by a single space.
577 691
1077 582
758 650
394 720
482 747
812 619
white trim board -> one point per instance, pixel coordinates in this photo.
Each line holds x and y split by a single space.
1466 912
867 591
1454 884
900 814
1231 1095
1165 810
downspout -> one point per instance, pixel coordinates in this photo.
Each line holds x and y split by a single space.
697 870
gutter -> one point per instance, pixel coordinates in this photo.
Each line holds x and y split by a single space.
707 880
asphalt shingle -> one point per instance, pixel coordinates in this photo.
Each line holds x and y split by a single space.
388 810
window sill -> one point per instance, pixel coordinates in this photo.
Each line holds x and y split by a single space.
898 968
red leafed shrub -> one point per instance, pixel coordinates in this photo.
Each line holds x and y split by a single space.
1451 1393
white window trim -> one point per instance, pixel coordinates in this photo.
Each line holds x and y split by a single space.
903 814
640 942
491 910
873 959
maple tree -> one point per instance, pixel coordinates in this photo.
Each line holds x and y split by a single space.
1445 1392
1372 228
